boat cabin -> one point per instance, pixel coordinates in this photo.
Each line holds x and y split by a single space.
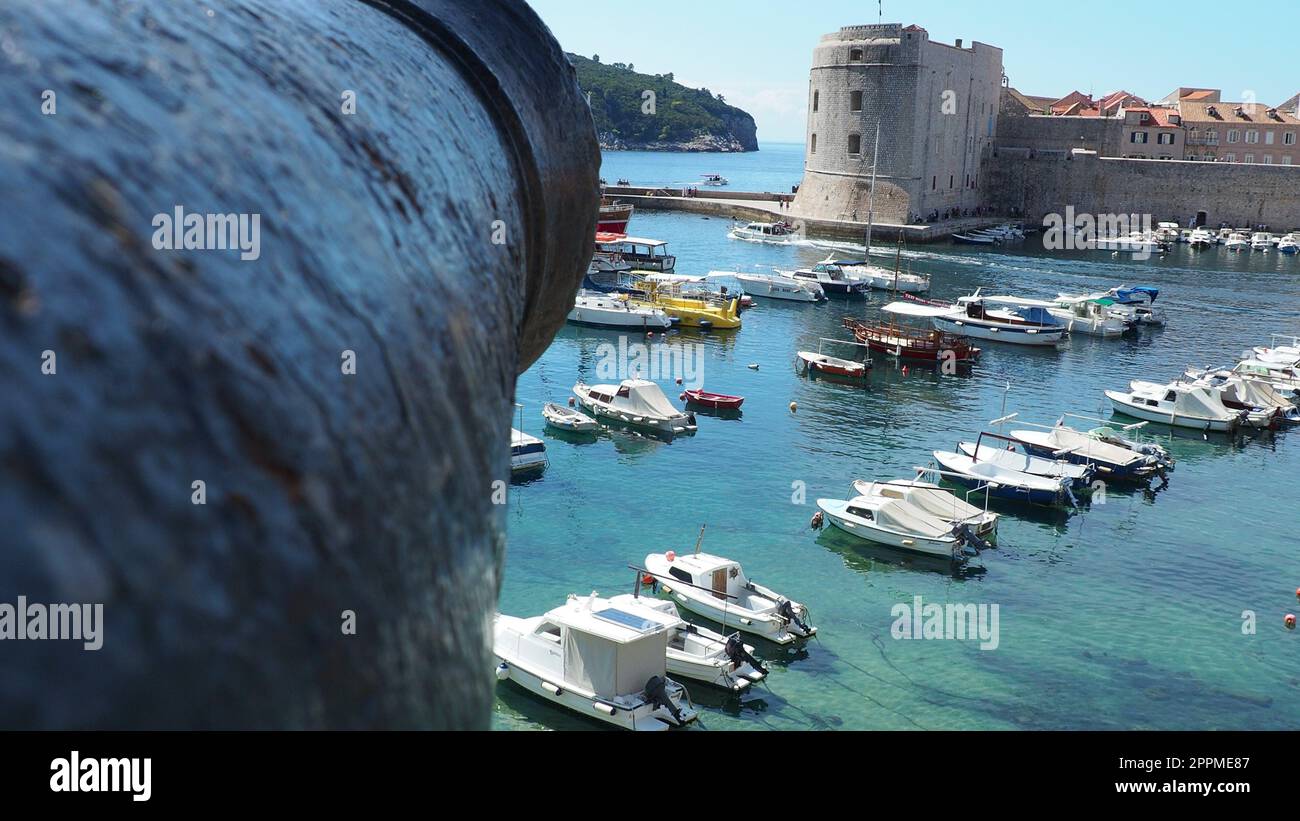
649 254
610 651
722 576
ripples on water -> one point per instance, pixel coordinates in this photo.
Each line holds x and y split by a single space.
1124 615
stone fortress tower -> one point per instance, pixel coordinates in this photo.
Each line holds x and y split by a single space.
937 108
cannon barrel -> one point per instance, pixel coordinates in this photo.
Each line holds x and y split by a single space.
268 272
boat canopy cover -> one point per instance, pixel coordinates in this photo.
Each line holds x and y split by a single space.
917 309
1136 293
645 398
898 516
611 668
1196 401
1037 315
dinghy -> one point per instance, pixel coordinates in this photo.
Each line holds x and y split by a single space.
720 401
718 589
1003 483
636 402
598 660
1080 476
934 501
1178 404
698 653
895 523
562 418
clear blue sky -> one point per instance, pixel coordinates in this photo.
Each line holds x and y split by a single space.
757 52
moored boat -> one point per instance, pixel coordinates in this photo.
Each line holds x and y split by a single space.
1111 459
880 278
1016 325
720 401
1012 459
717 588
833 279
527 453
1178 404
699 653
602 661
562 418
894 523
1003 483
934 501
641 253
614 311
635 402
775 286
927 345
834 365
614 216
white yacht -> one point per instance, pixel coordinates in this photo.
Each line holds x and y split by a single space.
1015 324
1080 314
774 286
599 660
880 278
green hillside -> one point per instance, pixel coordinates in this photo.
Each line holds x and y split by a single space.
684 119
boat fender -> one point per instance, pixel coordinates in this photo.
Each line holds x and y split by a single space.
503 671
706 324
736 651
682 396
656 692
794 406
817 520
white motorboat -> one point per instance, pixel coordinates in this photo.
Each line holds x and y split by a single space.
834 365
833 279
1137 242
1028 325
1003 483
775 286
1179 404
1168 232
635 402
1283 379
562 418
713 179
974 239
718 589
1261 241
882 279
1083 315
699 653
603 310
1112 460
934 501
527 453
1202 238
1256 395
771 233
1134 304
1284 355
598 660
1079 475
641 253
1288 245
894 523
1237 242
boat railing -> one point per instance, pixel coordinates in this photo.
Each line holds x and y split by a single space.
1293 340
823 340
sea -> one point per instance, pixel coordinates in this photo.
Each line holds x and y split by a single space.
1156 608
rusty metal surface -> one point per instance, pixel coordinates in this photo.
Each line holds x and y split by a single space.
326 491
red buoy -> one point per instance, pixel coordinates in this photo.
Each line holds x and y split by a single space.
647 579
1290 621
904 370
670 555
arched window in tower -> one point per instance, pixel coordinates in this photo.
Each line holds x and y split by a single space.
813 145
817 95
855 55
855 144
855 101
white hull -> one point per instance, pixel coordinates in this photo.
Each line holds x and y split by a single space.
1123 404
646 718
995 333
944 548
779 287
619 317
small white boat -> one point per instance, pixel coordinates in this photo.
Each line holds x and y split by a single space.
562 418
822 363
602 310
698 653
1288 245
771 233
1261 241
1283 379
713 179
1083 315
1134 304
974 239
1111 459
881 279
598 660
1003 483
718 589
1178 404
1137 242
635 402
526 452
1079 475
833 279
894 523
934 501
1168 232
1239 393
1202 238
775 286
1237 242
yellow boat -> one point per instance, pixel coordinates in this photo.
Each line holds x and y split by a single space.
690 311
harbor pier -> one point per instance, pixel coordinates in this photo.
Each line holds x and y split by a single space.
766 206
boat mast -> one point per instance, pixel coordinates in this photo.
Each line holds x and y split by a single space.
871 192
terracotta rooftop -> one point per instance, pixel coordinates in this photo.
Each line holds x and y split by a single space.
1226 113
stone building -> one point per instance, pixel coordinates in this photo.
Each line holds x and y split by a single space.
936 106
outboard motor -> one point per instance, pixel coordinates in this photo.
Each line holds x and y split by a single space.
739 655
967 537
786 611
656 692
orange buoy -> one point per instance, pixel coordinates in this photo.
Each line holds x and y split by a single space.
670 555
647 579
1290 621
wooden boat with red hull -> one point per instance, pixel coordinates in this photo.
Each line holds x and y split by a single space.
917 344
614 216
720 401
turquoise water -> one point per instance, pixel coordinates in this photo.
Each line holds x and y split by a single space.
775 167
1125 615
